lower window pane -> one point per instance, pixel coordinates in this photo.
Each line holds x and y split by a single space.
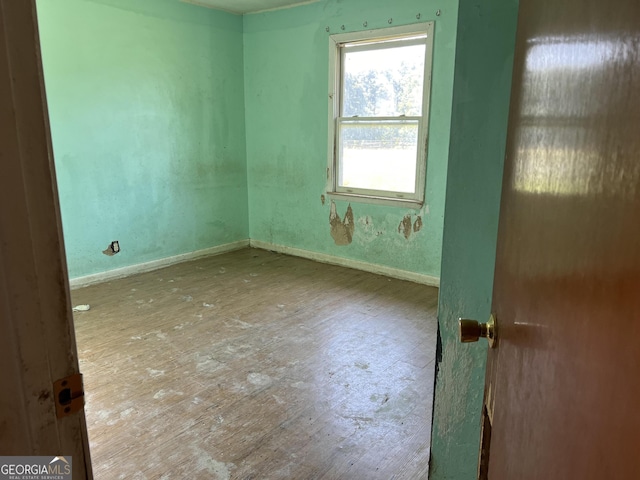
378 156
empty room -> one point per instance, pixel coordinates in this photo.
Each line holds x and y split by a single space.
246 305
252 196
340 239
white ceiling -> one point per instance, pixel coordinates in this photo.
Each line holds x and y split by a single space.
248 6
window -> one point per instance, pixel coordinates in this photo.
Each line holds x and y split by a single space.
378 113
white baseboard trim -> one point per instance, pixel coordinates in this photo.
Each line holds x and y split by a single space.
87 280
79 282
346 262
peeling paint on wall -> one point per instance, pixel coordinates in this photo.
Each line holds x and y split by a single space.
405 226
417 225
341 230
322 200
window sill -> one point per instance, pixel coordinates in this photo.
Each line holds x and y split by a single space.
372 200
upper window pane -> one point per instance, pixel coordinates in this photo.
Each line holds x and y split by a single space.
383 81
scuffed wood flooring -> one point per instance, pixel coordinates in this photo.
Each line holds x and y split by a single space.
256 365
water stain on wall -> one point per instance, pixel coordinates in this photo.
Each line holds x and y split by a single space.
367 230
341 229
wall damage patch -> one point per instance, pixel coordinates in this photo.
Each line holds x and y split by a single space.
405 226
417 225
112 249
341 230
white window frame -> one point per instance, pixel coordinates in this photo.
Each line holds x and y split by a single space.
371 37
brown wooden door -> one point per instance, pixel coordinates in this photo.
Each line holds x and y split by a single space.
563 384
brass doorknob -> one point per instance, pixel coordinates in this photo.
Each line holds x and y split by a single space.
472 330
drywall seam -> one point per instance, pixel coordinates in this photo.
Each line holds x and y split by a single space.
346 262
84 281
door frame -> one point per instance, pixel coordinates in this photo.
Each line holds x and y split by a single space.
37 340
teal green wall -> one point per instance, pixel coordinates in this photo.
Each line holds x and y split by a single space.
484 58
286 88
147 119
147 109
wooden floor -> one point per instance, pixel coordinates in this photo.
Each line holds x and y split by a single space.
256 365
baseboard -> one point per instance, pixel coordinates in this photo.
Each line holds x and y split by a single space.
346 262
79 282
84 281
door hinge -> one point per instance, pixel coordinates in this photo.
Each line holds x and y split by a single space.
69 395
